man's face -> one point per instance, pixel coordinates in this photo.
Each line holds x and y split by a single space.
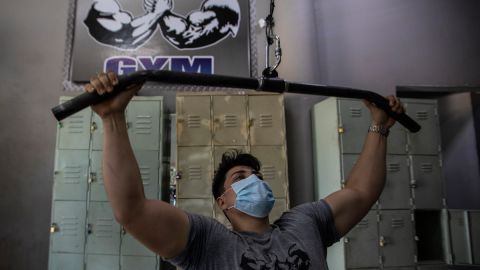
233 175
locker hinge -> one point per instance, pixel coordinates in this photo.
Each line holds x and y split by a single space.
444 202
380 260
440 162
60 125
412 216
378 218
435 112
415 258
439 148
411 201
406 149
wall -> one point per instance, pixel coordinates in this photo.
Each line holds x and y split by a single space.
369 44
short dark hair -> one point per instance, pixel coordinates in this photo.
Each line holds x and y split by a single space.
230 159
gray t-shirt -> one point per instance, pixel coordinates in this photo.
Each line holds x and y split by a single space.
297 240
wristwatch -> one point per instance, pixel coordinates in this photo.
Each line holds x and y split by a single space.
379 129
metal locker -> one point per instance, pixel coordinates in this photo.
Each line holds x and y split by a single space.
426 141
197 206
475 235
396 193
132 247
230 120
361 243
102 262
68 227
74 131
433 267
97 186
273 160
138 262
426 182
193 120
397 238
397 140
70 175
219 150
96 128
103 232
266 120
459 237
149 165
144 121
66 261
354 120
195 172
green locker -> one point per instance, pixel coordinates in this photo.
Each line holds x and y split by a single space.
68 227
74 131
66 261
144 120
70 175
102 262
84 233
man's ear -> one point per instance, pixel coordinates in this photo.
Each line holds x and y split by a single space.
221 203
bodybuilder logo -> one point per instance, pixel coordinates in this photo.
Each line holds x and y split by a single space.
108 24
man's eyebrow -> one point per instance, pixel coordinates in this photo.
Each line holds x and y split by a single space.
239 171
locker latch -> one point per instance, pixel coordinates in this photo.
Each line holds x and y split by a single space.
54 228
341 130
92 178
93 127
346 240
382 242
89 229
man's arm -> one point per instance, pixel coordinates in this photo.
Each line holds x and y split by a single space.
367 178
158 225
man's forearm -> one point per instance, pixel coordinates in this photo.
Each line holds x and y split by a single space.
368 175
120 169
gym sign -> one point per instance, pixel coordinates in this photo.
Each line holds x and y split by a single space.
180 35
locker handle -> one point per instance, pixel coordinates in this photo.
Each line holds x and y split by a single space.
89 229
54 228
346 240
93 127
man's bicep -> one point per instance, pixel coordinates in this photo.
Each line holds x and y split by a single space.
161 227
348 208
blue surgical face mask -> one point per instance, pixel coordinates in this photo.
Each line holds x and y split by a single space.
254 197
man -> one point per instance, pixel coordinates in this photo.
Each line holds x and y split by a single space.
298 240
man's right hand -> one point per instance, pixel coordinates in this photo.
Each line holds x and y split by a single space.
104 83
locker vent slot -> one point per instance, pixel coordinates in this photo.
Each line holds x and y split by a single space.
398 222
230 120
393 167
355 112
363 224
426 167
69 226
145 173
266 120
143 124
104 228
72 174
421 115
193 121
75 124
194 173
268 172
